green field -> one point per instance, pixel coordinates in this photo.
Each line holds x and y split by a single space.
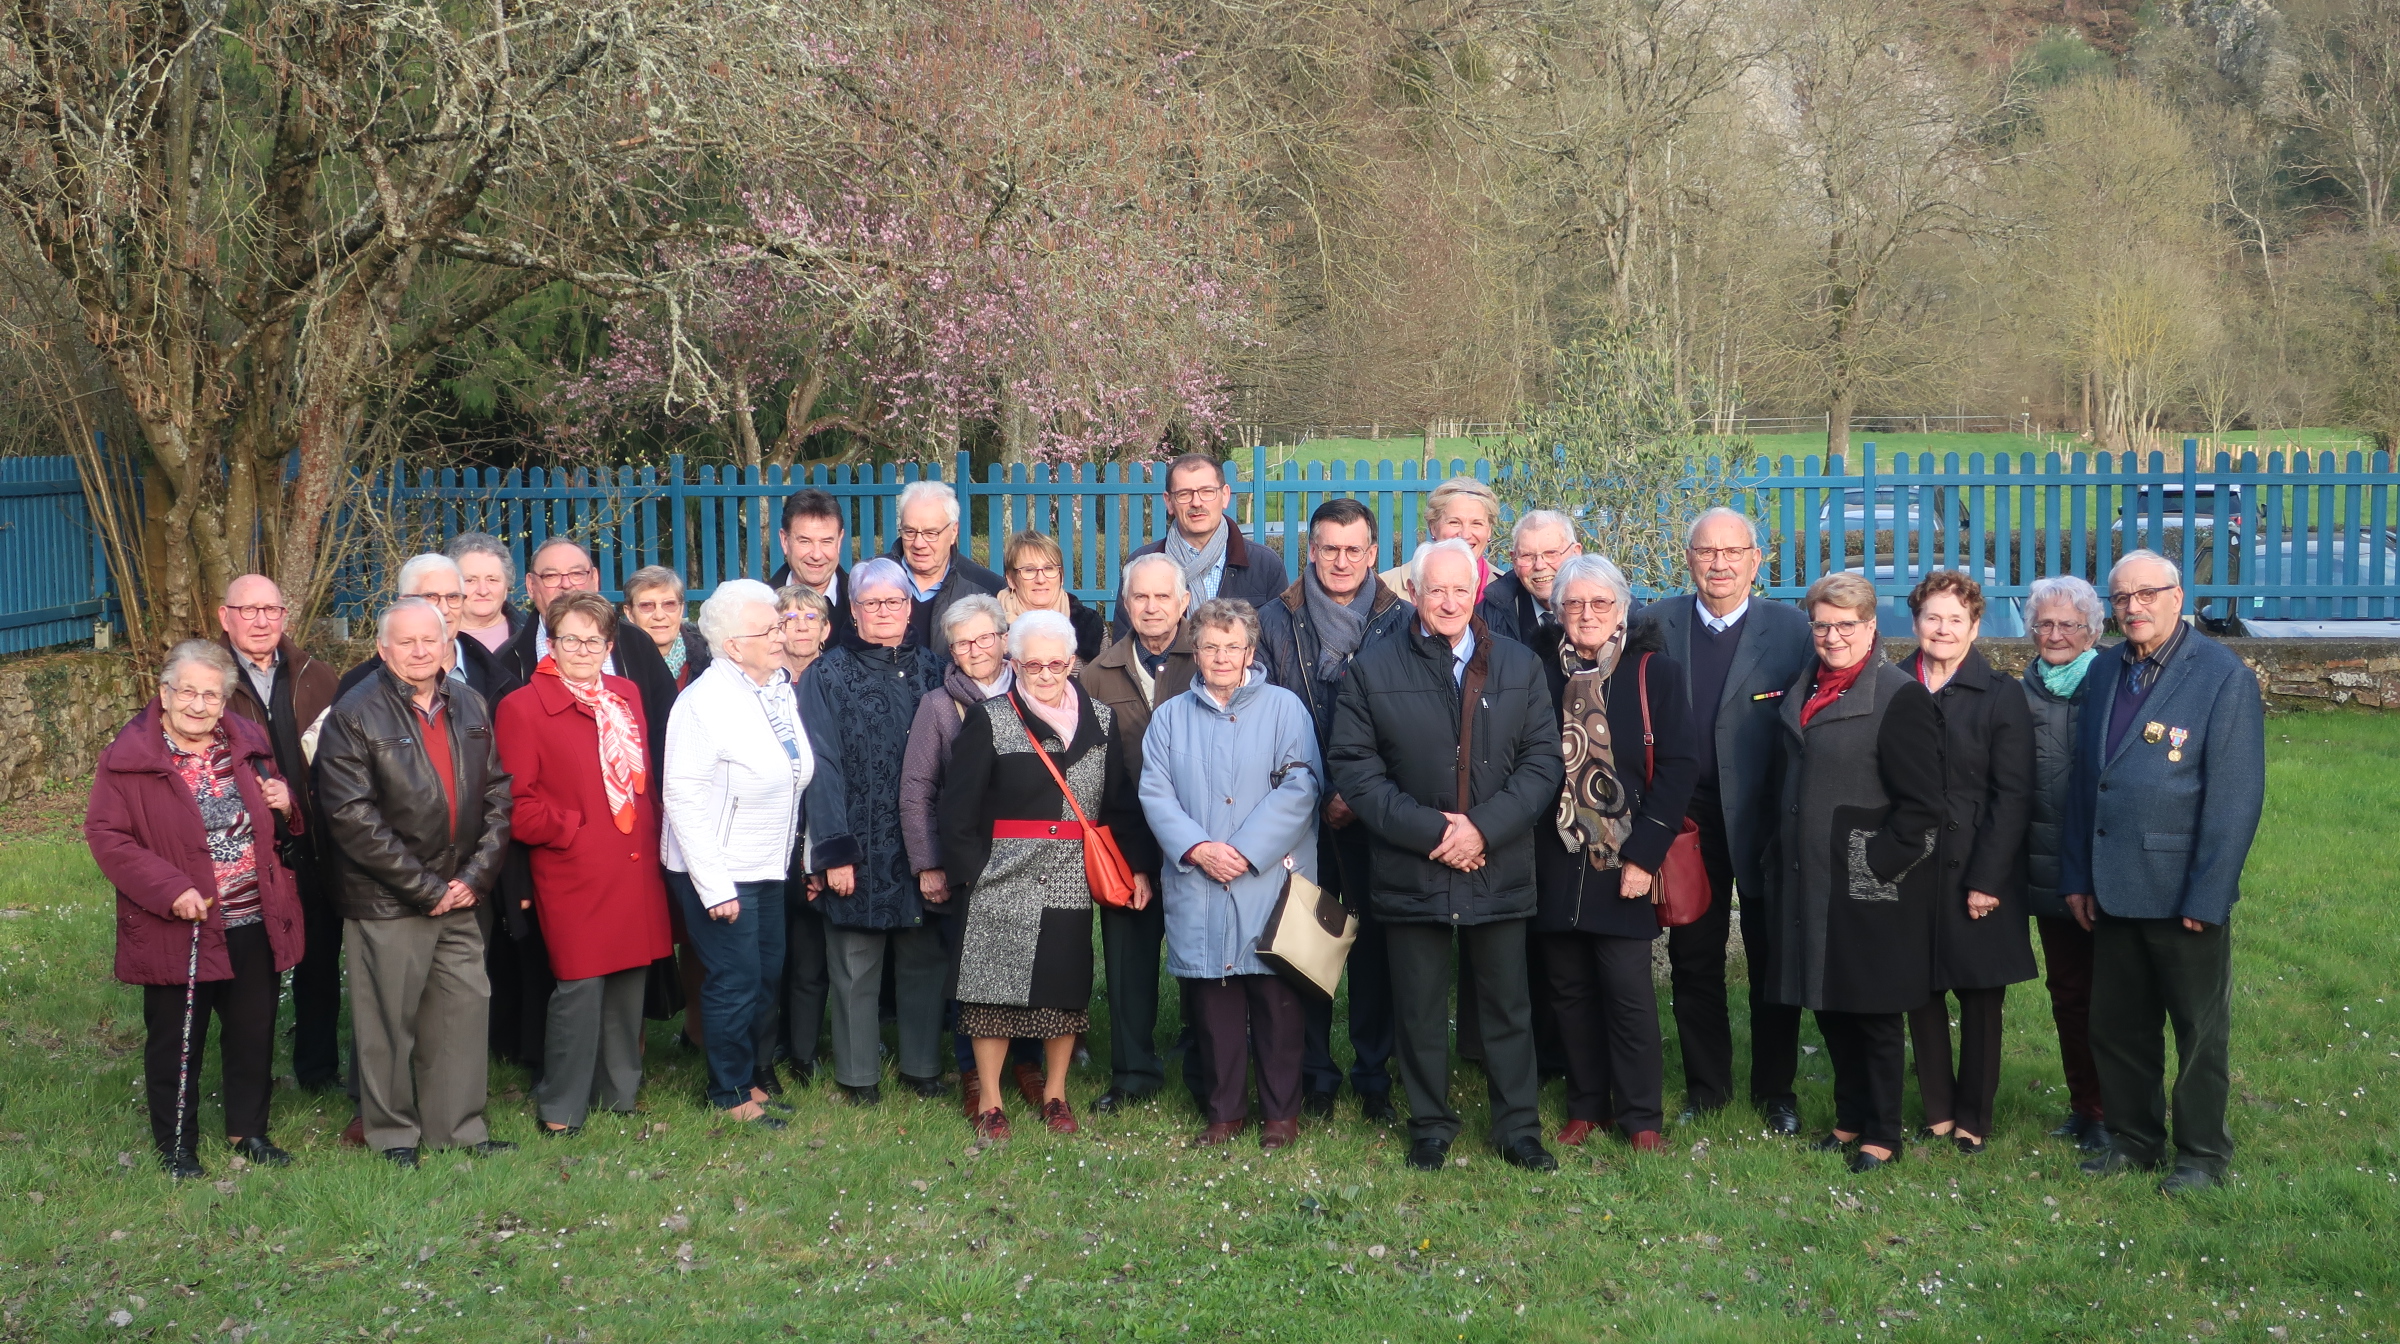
881 1224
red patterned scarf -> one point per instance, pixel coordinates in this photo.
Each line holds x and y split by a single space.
624 769
1831 685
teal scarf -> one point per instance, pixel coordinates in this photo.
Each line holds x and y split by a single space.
2064 679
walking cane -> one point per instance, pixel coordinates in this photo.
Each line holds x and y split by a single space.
183 1065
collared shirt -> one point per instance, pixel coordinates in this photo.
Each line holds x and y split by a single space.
2135 681
922 592
1723 623
262 679
1460 652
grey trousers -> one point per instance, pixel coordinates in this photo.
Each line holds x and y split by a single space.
854 968
420 1007
1421 977
592 1049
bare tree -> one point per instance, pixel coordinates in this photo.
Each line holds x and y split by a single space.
2349 102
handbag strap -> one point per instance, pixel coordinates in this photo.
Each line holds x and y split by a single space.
1059 779
1641 677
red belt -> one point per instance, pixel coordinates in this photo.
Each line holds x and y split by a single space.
1037 830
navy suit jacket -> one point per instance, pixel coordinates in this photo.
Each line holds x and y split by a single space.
2154 838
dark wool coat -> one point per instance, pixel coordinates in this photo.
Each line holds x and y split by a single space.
1253 572
1850 920
1025 933
1511 609
2054 723
145 832
1987 792
304 689
1394 759
1288 644
599 891
1110 678
925 618
858 703
1576 897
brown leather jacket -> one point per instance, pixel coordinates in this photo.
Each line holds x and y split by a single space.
399 843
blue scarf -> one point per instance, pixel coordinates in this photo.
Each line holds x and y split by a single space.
2065 679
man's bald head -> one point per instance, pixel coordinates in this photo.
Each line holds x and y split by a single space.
252 617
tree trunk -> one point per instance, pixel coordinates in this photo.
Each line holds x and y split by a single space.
1840 408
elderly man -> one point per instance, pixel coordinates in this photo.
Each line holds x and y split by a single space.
1445 745
1336 609
1134 675
438 579
1517 604
1738 654
1206 545
2170 773
285 692
418 808
812 536
937 571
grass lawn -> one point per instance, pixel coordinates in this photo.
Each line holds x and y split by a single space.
881 1223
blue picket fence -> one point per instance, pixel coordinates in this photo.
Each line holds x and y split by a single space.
57 571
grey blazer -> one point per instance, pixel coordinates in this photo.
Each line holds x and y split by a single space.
1774 649
2158 830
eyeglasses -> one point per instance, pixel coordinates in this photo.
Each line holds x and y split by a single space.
1593 606
1544 559
657 606
1350 554
1199 495
1035 571
1055 667
1709 555
879 603
976 642
443 599
1842 631
579 643
554 577
204 699
1213 650
2059 627
259 612
926 534
752 635
2141 597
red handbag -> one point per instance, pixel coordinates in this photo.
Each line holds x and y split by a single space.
1679 890
1105 870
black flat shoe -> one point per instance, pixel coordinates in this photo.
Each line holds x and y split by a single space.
261 1151
870 1095
1529 1153
1863 1161
927 1089
775 1103
762 1121
403 1158
1429 1154
1783 1119
2185 1180
1317 1105
2096 1138
2072 1127
1377 1108
1829 1144
547 1131
1970 1147
492 1148
2111 1163
1116 1099
182 1166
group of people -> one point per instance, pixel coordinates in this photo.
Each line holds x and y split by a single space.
899 792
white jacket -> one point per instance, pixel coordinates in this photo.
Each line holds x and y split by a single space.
732 795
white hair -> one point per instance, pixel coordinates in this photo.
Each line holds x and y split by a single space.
936 491
1425 553
483 543
419 566
881 572
1590 568
207 653
1534 520
383 623
1151 558
2075 592
2174 575
724 607
1035 625
973 604
1708 516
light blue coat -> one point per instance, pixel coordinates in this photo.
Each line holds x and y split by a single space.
1247 775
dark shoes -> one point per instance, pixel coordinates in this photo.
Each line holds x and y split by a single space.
991 1127
2185 1180
1529 1153
493 1148
1429 1154
2096 1138
870 1095
403 1158
1376 1108
1970 1147
927 1089
1279 1134
1218 1133
183 1166
1317 1105
261 1151
2112 1162
1830 1143
1029 1083
1116 1099
1783 1119
1059 1118
549 1131
1862 1161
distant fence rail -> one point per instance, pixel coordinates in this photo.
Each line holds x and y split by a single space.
54 580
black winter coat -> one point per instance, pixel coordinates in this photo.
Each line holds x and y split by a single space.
1511 609
858 703
398 842
1253 572
1987 791
925 618
2053 770
1395 759
1849 927
1576 897
1288 644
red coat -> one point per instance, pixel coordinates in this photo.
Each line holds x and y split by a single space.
599 892
146 835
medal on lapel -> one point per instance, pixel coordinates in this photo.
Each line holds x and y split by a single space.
2176 737
2153 730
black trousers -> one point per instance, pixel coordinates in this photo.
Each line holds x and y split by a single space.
2067 961
317 988
1370 989
1235 1021
1130 941
2146 975
1606 1018
800 999
1870 1069
245 1011
1963 1091
1421 978
519 969
1696 975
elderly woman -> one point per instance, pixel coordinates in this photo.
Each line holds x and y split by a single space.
654 603
1460 507
1850 865
1630 767
1230 783
808 624
807 621
2067 620
858 702
184 814
576 745
489 575
1037 581
738 762
1012 850
1979 942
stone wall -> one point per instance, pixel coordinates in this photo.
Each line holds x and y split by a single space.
61 709
2293 674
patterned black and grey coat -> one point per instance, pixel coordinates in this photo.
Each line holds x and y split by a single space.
857 702
1026 940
